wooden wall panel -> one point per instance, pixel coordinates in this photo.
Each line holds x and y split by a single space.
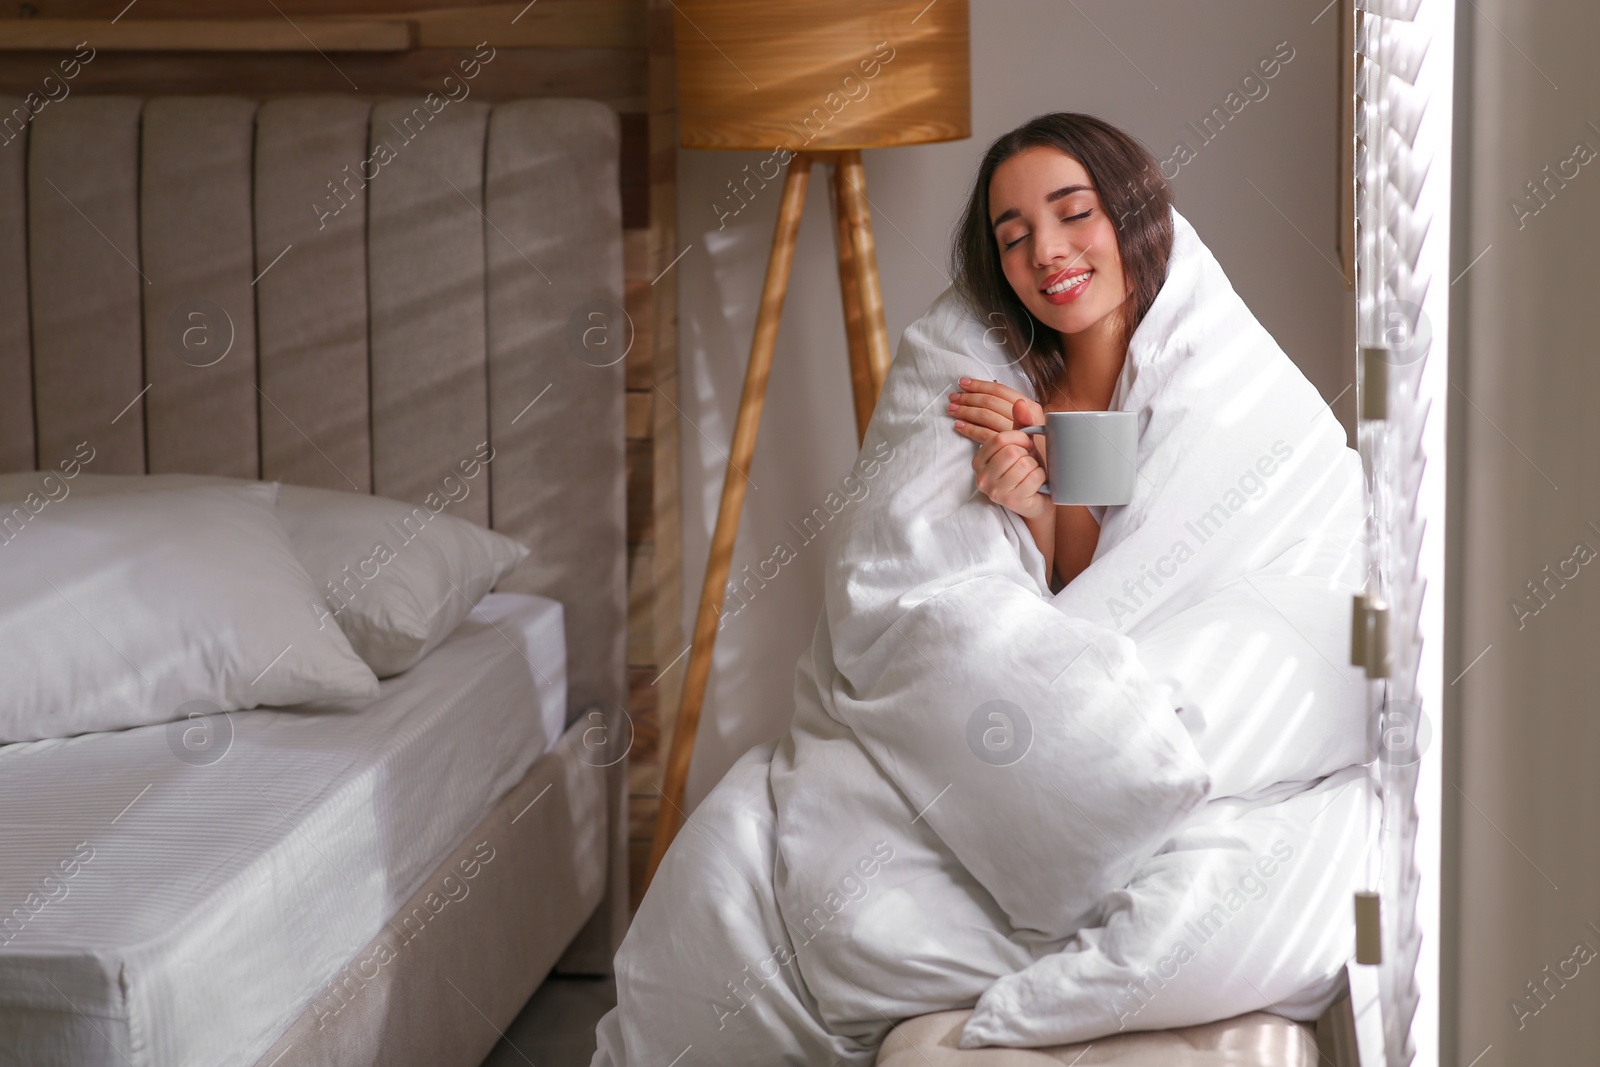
658 682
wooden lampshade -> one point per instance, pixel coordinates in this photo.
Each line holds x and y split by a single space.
820 75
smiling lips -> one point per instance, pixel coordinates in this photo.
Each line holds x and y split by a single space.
1066 286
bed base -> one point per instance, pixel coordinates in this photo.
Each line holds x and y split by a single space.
442 980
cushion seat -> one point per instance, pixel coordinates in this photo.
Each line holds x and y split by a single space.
1258 1039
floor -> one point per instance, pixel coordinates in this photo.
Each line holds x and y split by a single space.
556 1027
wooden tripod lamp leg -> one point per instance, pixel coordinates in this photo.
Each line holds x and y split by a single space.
851 181
861 383
713 592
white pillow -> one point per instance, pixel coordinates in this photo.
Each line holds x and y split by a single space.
117 611
398 578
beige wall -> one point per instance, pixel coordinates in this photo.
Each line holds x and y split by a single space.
1524 726
1151 66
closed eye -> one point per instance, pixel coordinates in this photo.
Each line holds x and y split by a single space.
1070 218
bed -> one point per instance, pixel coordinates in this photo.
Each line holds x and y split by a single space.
385 882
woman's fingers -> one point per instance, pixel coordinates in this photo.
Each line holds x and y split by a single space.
1008 470
1028 444
1004 392
999 407
981 409
971 432
1013 482
996 455
987 398
1013 477
997 441
1023 479
993 421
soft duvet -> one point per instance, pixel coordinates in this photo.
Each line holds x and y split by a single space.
1138 803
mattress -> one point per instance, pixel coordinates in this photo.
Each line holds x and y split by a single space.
176 895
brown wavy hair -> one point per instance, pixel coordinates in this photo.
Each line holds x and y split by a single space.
1132 191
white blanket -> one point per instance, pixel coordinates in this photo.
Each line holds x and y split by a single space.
1052 808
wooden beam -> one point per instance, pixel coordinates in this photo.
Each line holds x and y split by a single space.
235 9
208 35
545 24
657 717
633 165
640 414
609 75
510 24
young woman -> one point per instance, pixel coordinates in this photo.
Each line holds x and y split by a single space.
1065 237
987 798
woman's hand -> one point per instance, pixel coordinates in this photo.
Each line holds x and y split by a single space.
992 406
1009 468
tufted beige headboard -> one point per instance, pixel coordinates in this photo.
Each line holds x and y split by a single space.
339 293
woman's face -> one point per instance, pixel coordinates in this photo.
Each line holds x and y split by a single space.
1057 245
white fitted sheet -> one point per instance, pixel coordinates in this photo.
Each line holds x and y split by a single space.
220 898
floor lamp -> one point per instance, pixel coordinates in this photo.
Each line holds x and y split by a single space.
811 81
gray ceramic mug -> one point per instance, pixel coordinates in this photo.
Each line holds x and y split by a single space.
1091 457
